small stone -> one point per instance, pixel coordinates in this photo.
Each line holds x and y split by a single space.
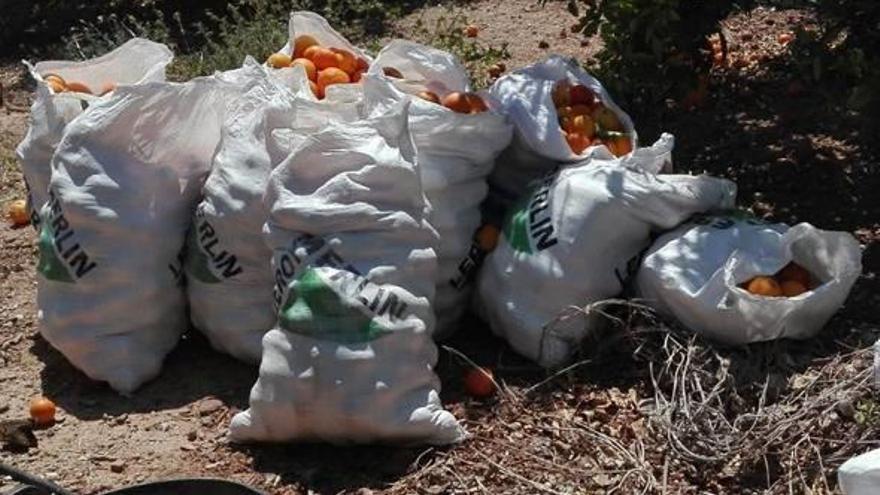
3 408
117 466
209 406
543 45
192 435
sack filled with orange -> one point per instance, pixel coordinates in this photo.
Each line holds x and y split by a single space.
65 88
326 57
561 115
458 134
737 279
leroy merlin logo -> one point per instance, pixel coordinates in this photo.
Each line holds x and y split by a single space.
530 227
320 295
206 261
62 258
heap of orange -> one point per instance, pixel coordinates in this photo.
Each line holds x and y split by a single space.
793 280
58 85
324 66
585 121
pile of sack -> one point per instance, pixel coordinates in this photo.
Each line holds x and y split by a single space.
328 215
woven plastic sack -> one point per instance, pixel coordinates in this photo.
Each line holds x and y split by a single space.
351 358
228 264
455 153
136 61
695 273
126 178
538 147
574 240
861 474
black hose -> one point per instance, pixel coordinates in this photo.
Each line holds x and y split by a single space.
32 480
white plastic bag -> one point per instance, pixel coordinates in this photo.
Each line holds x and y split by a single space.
861 474
538 147
351 358
136 61
694 273
573 240
228 264
125 180
455 153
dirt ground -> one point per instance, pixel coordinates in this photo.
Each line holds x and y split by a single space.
583 432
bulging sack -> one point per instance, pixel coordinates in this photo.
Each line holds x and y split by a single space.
228 265
539 146
574 240
455 153
351 357
696 272
136 61
861 474
125 180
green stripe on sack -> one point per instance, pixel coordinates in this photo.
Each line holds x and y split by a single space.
516 228
50 265
315 309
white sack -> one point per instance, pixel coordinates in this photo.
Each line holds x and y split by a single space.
573 240
351 358
455 153
228 265
136 61
538 147
126 178
694 273
861 474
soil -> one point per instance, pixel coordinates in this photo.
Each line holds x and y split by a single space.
794 161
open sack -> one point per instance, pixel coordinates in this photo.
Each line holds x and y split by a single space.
134 62
575 239
125 180
455 153
696 274
351 357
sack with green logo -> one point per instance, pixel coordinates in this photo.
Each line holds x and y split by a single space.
229 277
699 274
351 358
136 61
126 178
573 240
455 153
526 96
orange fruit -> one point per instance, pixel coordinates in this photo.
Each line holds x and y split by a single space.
562 94
784 38
607 119
764 286
308 65
478 382
457 102
429 96
301 44
314 88
582 95
56 83
17 213
278 60
577 142
619 145
42 411
347 61
471 31
362 65
107 87
356 77
310 52
796 273
392 72
487 237
324 58
329 77
792 288
583 124
476 103
78 87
